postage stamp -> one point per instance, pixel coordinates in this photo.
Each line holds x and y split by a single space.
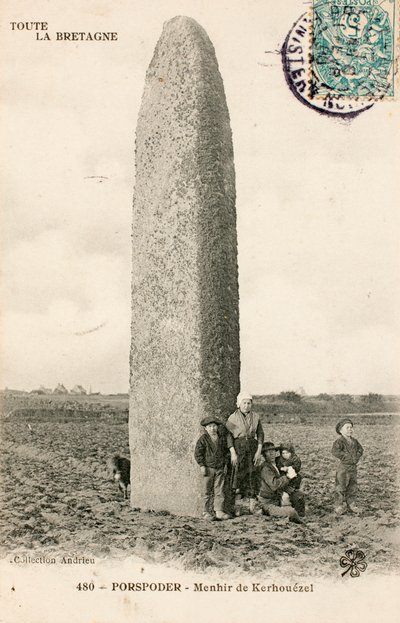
296 55
353 49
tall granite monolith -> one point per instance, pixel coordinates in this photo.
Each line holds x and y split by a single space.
185 323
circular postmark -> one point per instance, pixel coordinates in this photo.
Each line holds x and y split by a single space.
296 66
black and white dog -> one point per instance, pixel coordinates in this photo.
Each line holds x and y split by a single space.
121 472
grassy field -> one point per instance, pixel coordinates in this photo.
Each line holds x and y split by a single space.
57 498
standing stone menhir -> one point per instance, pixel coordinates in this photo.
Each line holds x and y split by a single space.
185 323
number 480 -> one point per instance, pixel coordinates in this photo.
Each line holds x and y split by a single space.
85 586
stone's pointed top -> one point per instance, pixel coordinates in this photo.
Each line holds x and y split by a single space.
183 23
181 19
182 82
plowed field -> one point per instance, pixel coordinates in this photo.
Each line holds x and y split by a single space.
58 499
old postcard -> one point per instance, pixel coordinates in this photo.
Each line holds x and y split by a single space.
200 396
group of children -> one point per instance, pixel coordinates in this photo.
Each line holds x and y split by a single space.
279 490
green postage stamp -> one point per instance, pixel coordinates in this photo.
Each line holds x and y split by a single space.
353 48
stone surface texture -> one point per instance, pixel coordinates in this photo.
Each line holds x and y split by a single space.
185 324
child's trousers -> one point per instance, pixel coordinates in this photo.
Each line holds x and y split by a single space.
346 484
275 510
213 490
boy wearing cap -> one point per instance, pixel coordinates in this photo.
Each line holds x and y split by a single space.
245 438
273 484
211 454
349 451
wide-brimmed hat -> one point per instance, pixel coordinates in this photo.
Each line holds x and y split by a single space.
341 423
210 419
268 445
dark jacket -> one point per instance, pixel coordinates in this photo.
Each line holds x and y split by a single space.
272 484
294 461
209 454
349 452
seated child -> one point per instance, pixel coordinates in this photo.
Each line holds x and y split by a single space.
273 484
288 458
211 454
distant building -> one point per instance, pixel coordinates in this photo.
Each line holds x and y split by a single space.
78 390
60 389
42 390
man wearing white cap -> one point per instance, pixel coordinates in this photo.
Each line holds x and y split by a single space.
245 439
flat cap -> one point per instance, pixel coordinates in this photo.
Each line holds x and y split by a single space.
210 419
341 423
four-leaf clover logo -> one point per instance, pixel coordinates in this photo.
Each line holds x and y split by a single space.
353 561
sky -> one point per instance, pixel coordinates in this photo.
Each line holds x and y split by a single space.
318 227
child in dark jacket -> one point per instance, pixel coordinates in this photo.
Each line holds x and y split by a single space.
349 451
288 458
211 454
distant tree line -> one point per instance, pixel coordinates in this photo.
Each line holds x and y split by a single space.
292 402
